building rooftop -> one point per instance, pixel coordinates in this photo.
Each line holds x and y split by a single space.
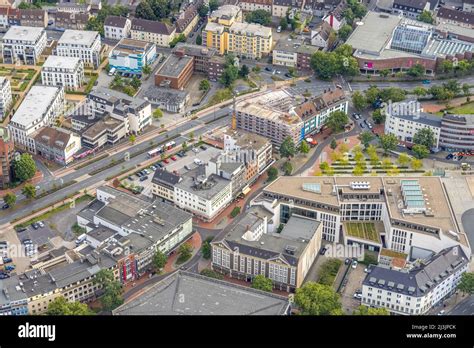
122 102
247 140
103 124
130 46
151 26
30 34
101 233
174 65
251 29
166 177
165 95
57 62
115 21
206 188
226 12
423 278
214 27
418 4
53 137
194 50
78 37
35 105
205 296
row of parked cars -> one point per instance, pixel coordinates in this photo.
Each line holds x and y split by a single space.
5 265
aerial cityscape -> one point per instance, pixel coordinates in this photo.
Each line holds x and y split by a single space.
236 157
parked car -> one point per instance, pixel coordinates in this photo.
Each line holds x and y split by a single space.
195 149
362 125
354 264
203 147
27 241
4 276
347 261
10 267
35 225
40 224
146 171
160 165
288 75
369 125
139 174
367 270
449 156
143 178
7 260
166 161
268 68
441 312
358 296
460 158
5 206
323 251
153 168
173 158
426 82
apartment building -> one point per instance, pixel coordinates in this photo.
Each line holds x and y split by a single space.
68 20
117 28
131 56
226 15
135 113
457 133
253 5
81 44
419 289
277 115
163 183
187 20
415 212
168 99
455 17
7 149
6 99
23 45
63 71
32 18
102 131
248 249
161 34
205 197
294 53
41 106
73 7
176 71
411 9
56 144
230 169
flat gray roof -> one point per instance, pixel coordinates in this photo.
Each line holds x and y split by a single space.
203 296
35 104
31 34
78 37
61 62
213 185
174 65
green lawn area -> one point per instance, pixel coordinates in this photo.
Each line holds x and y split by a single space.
363 230
463 109
391 253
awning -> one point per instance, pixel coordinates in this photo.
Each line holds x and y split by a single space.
246 190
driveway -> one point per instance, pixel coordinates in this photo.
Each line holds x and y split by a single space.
354 282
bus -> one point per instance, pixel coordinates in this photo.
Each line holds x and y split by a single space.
170 145
154 152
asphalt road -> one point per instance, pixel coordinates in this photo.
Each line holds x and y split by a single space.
466 307
119 157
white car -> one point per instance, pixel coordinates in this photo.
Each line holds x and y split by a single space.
354 264
41 224
195 149
358 296
441 312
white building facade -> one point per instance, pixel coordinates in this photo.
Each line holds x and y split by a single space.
63 71
23 45
5 96
82 44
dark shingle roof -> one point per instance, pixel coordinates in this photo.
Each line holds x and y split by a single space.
458 16
115 21
151 26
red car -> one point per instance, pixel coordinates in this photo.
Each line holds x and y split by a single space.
166 161
173 158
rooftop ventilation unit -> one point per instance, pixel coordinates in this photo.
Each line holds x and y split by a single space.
360 185
289 249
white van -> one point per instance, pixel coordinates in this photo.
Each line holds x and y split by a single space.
279 29
197 161
112 71
81 239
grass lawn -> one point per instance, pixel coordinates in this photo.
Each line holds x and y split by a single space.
463 109
363 230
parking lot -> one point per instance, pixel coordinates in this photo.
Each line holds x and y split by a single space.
171 166
354 283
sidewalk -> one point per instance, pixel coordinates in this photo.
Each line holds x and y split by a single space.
195 242
33 181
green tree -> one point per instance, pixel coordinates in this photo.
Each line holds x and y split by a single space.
324 64
379 116
372 94
213 5
180 38
304 147
146 70
359 101
344 32
29 191
420 91
135 82
260 17
244 71
272 173
416 164
199 40
10 199
159 260
287 148
60 306
324 166
211 274
365 138
287 168
358 170
452 86
337 120
425 136
447 66
416 70
466 89
112 297
204 85
403 159
129 90
203 10
333 144
24 167
132 138
466 285
157 114
260 282
388 142
207 249
364 310
235 212
185 252
317 299
426 17
145 11
283 23
229 75
420 151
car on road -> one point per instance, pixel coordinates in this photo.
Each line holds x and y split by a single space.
40 224
358 296
5 206
354 264
166 161
323 251
449 156
426 82
362 125
441 312
7 260
195 149
268 68
143 178
347 261
288 75
4 275
203 147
